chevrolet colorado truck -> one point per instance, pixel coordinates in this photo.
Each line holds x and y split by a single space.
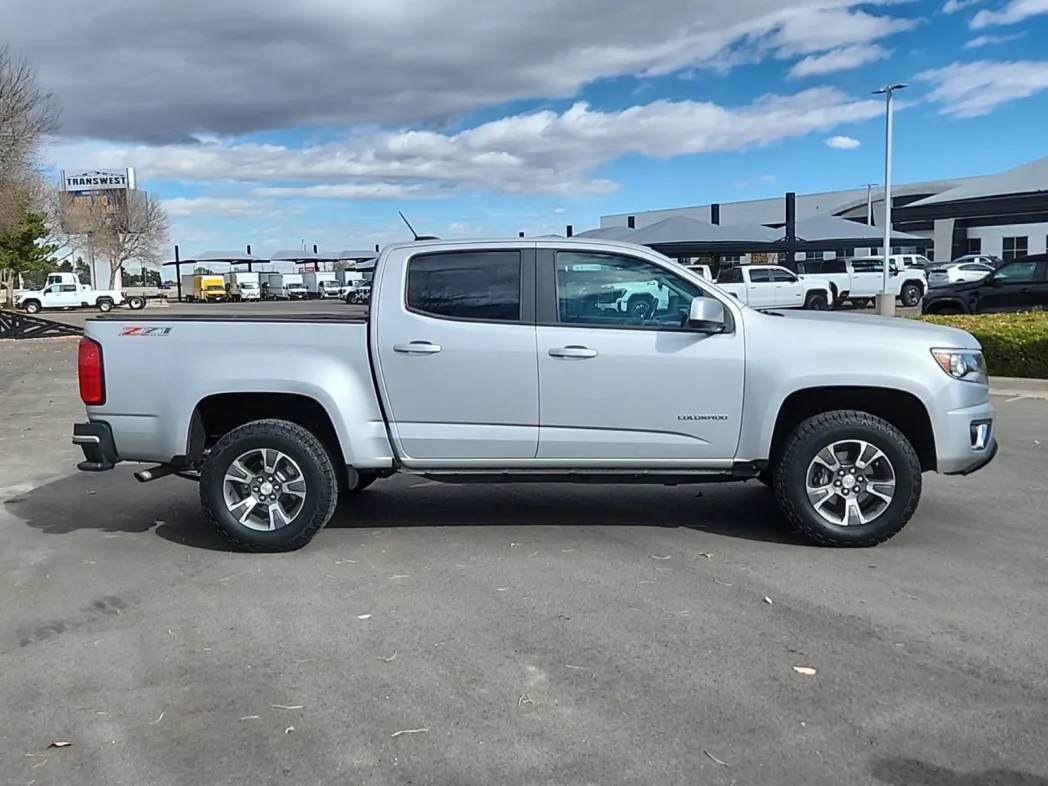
771 286
499 360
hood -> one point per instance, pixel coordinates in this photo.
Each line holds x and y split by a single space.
862 328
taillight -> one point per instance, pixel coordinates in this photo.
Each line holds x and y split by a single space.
89 371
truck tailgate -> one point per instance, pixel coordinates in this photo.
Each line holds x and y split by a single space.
157 370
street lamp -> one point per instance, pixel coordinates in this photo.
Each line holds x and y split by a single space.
886 301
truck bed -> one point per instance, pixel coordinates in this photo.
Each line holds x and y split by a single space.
164 365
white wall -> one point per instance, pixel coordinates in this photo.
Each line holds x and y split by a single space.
993 237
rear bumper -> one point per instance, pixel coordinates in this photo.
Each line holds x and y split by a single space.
95 439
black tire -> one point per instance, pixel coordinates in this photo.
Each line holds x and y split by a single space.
820 431
318 472
640 306
817 301
105 305
136 303
31 307
911 294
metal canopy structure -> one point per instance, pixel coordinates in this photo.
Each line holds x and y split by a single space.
607 233
356 254
835 231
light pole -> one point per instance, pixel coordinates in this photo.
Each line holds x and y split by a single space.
885 300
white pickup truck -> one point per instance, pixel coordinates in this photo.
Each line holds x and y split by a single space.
500 361
771 286
74 295
860 280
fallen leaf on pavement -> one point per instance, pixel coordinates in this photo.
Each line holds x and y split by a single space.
289 729
768 600
389 659
287 706
363 616
408 731
714 758
655 557
707 555
57 744
805 670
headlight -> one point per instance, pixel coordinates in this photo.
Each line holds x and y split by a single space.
967 365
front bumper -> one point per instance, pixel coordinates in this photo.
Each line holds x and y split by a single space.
967 439
95 439
987 456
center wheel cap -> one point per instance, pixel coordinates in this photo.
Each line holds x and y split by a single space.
848 481
266 488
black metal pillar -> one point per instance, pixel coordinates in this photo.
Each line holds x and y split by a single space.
249 264
569 230
791 231
631 222
178 274
715 214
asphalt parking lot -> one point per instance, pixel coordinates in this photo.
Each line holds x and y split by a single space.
439 634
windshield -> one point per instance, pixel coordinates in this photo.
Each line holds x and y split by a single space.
213 287
249 285
296 285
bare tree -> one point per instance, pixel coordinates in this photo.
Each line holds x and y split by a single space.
28 114
118 227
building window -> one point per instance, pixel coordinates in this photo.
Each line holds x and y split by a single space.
974 245
1015 247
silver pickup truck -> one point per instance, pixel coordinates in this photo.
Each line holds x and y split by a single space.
489 361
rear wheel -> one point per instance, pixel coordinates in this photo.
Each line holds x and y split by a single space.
640 306
268 485
135 303
847 478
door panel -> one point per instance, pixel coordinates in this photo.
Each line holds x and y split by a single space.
760 291
637 392
457 360
789 291
1013 288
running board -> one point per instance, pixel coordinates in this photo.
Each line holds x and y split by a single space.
609 476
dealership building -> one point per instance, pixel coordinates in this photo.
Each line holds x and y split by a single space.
1004 215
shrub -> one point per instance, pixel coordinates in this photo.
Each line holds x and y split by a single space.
1015 345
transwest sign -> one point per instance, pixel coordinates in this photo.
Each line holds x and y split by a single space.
98 179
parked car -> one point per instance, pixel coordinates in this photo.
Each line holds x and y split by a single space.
861 279
982 259
956 272
1019 285
771 286
840 414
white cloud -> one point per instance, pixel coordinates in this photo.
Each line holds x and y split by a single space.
953 6
974 89
1012 13
989 40
198 207
843 142
540 152
168 72
371 192
837 60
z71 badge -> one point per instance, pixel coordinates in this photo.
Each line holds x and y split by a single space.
145 331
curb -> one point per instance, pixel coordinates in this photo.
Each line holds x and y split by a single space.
1018 387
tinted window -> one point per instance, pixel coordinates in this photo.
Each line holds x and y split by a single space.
732 275
619 291
466 285
69 288
782 275
834 266
759 275
1017 271
974 268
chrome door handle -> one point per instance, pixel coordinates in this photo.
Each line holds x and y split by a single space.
417 348
573 351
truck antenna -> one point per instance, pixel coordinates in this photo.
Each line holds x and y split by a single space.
416 235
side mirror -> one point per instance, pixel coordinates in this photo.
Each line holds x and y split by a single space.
706 315
996 282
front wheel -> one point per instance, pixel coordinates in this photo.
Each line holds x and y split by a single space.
817 301
31 307
847 478
105 305
268 486
911 295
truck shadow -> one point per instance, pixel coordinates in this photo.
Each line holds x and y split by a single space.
113 502
912 772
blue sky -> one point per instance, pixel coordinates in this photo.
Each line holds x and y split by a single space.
603 109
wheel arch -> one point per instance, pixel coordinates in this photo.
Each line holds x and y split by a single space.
902 409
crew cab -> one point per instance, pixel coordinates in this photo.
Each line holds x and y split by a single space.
501 361
1018 285
860 280
771 286
69 295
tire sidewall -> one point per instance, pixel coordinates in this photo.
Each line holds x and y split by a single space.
32 307
105 306
911 301
793 476
817 301
136 303
232 447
